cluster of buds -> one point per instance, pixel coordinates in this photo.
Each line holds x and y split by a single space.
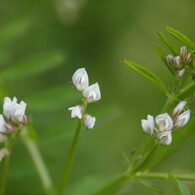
90 93
162 126
179 62
13 116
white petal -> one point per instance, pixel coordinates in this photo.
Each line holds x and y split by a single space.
182 119
80 79
2 124
92 93
165 137
89 121
164 122
76 112
148 125
177 110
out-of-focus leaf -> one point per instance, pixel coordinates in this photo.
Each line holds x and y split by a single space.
163 55
162 152
13 30
183 189
168 43
56 98
150 185
33 65
187 90
147 74
180 37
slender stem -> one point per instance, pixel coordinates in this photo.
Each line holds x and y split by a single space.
113 186
6 163
71 156
39 163
190 177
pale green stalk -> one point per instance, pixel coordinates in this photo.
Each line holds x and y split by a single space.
6 162
38 162
72 153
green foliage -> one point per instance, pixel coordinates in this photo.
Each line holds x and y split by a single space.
147 74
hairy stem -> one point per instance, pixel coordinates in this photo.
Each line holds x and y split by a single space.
38 162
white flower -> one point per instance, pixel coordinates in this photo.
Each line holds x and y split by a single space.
165 137
148 125
178 109
182 119
76 111
80 79
89 121
92 93
2 124
164 122
14 111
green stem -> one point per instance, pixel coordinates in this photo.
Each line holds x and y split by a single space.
39 163
6 162
70 159
112 187
189 177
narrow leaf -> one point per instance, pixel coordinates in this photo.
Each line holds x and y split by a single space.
33 65
180 37
151 186
168 43
147 74
163 55
183 189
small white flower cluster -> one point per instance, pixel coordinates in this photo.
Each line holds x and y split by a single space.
91 93
13 116
178 63
163 125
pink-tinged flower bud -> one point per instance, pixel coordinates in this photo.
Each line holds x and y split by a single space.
182 119
148 125
164 122
76 111
89 121
165 137
2 124
92 93
178 109
80 79
14 111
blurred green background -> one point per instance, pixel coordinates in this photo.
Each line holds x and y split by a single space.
42 43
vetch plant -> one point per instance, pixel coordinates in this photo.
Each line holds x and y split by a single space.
165 132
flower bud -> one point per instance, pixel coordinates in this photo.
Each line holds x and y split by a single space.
89 121
164 122
92 93
80 79
182 119
185 55
180 73
165 137
148 125
76 111
169 59
177 62
178 109
2 124
14 111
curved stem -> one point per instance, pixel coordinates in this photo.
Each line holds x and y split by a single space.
71 156
39 163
